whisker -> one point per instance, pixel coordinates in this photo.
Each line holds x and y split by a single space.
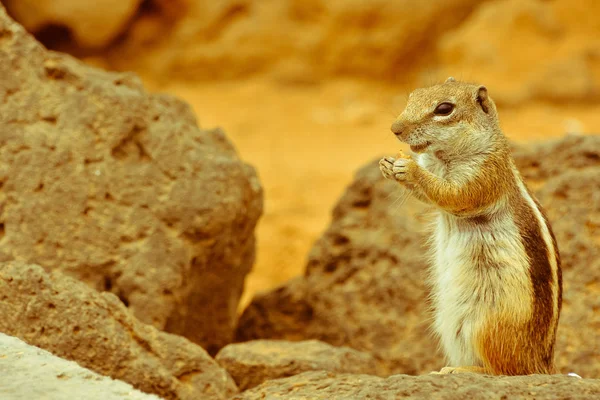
396 200
403 197
390 195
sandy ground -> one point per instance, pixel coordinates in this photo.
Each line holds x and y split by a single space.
307 141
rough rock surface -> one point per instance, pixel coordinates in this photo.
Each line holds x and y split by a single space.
364 285
54 377
73 321
327 385
252 363
92 24
122 190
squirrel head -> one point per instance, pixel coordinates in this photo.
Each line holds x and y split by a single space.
452 117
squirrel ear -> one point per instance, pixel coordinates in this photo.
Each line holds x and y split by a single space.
482 99
450 79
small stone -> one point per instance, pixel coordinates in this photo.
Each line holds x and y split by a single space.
254 362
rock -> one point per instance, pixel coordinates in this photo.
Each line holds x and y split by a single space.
328 385
96 24
233 38
364 282
27 372
537 50
120 189
73 321
252 363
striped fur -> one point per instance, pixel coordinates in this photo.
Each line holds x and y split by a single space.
496 277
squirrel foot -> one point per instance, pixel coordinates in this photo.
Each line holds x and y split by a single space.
460 370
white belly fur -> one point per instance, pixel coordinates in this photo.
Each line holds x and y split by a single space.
469 290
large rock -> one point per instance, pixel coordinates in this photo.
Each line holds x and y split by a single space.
252 363
327 385
92 24
73 321
297 40
27 372
537 50
120 189
364 285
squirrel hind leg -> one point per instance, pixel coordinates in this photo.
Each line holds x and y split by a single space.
472 369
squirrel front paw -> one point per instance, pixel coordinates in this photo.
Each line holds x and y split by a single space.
403 170
386 166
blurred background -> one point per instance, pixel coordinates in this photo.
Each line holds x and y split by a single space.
307 89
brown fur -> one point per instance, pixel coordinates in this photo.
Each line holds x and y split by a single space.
467 198
523 349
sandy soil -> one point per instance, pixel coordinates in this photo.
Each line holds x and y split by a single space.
307 141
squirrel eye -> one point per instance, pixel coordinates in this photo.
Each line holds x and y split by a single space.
444 109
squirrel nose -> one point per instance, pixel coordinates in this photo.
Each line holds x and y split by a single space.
397 127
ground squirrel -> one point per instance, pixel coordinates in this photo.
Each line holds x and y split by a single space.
496 277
